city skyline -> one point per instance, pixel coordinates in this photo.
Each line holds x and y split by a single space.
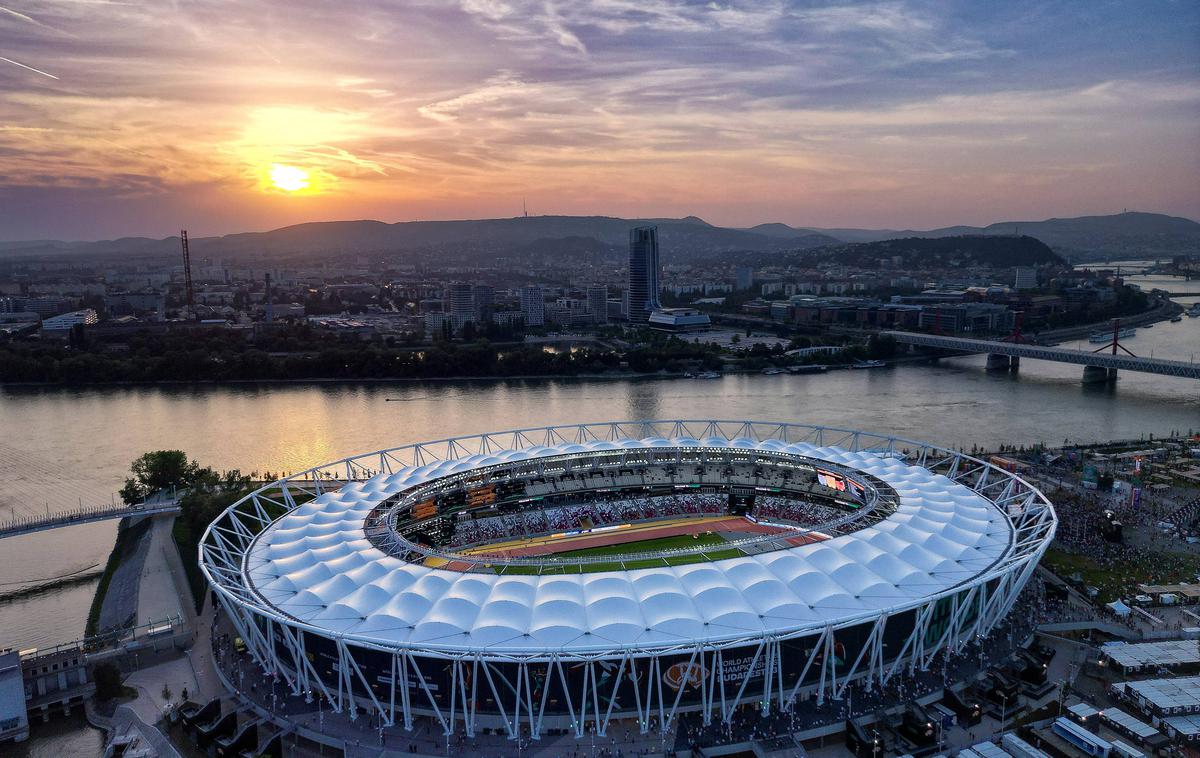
890 114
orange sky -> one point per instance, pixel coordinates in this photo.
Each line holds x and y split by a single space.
138 118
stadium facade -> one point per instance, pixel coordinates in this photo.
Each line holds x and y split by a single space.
389 584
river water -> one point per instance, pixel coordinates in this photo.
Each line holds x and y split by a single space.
61 447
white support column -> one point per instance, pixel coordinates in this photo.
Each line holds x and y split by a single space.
616 689
343 680
764 705
876 630
562 678
830 661
379 709
679 693
721 680
519 691
637 695
596 702
392 693
779 675
817 647
545 697
909 642
249 632
437 711
533 729
454 678
745 681
927 655
662 706
470 706
405 695
583 699
296 645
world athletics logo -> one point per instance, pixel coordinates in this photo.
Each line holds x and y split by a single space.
691 674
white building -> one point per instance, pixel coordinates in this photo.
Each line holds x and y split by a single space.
1025 278
14 722
66 321
679 320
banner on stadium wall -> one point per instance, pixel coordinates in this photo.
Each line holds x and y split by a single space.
831 480
680 673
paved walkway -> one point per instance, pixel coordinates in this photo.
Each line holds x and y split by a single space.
162 590
150 704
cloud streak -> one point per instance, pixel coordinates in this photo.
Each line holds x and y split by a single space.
28 68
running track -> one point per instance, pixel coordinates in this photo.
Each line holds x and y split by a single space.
549 545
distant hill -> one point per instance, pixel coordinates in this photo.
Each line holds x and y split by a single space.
940 252
1085 236
688 238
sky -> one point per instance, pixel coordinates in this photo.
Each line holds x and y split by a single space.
143 117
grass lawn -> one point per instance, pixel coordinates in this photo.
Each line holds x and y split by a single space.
1123 579
648 546
629 548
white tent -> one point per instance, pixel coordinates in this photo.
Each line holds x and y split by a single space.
1118 608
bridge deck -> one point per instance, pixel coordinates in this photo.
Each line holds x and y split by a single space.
29 525
1058 354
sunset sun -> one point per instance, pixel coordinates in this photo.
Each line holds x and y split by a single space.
289 178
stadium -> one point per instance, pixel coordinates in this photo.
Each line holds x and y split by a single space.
558 579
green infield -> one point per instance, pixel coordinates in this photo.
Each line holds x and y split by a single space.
647 546
632 548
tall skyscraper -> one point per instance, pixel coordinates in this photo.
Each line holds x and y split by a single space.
641 294
460 301
745 277
597 303
485 300
533 305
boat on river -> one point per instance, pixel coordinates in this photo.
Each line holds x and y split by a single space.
1102 337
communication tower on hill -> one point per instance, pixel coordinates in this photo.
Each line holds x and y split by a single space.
187 275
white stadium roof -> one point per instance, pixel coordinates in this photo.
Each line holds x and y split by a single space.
315 566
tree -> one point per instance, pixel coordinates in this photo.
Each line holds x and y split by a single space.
156 471
108 681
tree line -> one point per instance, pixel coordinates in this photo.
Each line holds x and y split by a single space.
203 356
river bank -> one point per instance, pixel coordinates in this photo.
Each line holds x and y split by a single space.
1163 312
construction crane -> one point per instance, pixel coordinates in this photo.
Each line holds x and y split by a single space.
187 275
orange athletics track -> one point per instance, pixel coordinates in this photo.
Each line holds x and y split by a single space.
552 544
